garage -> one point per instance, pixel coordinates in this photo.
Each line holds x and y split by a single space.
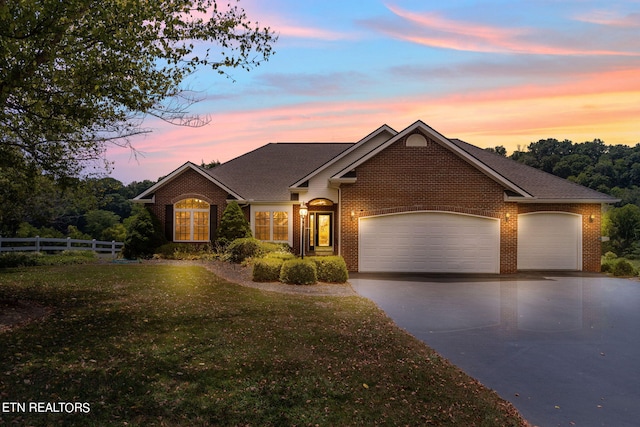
549 241
437 242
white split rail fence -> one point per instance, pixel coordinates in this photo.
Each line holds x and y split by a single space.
37 244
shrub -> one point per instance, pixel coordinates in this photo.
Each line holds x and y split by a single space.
241 249
280 255
623 268
30 259
267 269
332 269
17 259
299 272
606 267
610 256
233 225
143 235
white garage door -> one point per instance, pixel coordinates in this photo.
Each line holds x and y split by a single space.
549 241
437 242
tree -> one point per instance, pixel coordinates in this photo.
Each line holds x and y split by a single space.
624 227
233 225
143 234
80 74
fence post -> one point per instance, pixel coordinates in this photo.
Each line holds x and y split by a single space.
93 245
0 244
37 243
68 243
113 248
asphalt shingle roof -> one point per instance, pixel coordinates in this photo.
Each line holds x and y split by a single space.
540 184
265 174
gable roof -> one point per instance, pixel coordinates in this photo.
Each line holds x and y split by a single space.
266 173
524 182
148 193
380 132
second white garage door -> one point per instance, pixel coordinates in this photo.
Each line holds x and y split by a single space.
438 242
549 241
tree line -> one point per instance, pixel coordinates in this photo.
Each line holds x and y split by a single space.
610 169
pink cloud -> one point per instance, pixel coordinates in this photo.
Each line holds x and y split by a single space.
594 105
431 29
609 18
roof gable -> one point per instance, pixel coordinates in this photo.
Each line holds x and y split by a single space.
265 174
144 196
440 139
379 135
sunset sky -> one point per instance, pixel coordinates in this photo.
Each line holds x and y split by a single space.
488 72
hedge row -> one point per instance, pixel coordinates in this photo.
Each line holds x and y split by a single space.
288 269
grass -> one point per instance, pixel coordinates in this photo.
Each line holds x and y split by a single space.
175 345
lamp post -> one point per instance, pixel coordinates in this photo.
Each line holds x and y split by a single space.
303 214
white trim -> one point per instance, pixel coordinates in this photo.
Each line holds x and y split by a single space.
380 130
579 233
191 221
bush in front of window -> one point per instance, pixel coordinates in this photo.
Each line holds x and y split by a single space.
233 225
267 269
299 272
331 269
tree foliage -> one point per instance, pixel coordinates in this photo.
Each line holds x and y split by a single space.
233 225
79 74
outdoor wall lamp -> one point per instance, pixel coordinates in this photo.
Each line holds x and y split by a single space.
303 214
507 216
353 215
592 217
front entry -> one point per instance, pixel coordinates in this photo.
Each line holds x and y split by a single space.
321 231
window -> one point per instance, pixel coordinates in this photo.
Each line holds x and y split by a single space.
263 225
280 226
272 226
191 221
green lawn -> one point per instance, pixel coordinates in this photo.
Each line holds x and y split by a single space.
174 345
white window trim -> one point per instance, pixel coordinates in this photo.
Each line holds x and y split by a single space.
271 209
175 210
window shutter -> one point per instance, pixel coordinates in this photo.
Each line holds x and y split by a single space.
168 222
213 222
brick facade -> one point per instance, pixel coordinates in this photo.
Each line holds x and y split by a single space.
405 179
189 184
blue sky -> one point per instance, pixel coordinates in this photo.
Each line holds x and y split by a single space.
491 73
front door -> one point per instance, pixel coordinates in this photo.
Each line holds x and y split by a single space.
321 231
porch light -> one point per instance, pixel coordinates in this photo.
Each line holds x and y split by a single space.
592 217
353 215
303 214
507 216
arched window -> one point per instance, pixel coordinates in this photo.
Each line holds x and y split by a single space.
191 221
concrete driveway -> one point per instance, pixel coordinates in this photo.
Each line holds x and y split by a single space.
564 349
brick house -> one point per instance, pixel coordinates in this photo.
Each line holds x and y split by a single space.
409 201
